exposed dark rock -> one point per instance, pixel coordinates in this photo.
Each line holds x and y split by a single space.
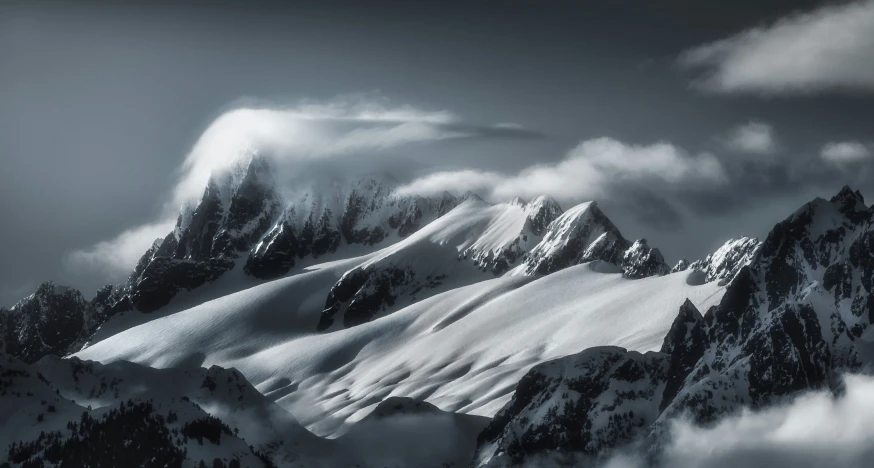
681 265
789 321
165 277
641 261
362 293
48 321
584 234
685 344
724 264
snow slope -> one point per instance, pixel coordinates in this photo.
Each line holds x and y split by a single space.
463 350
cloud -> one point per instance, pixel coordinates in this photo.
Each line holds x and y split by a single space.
115 258
812 431
825 49
348 134
372 107
351 127
595 168
843 153
753 137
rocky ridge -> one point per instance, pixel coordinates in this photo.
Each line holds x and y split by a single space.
793 319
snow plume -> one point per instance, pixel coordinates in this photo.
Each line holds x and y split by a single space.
350 133
593 169
828 48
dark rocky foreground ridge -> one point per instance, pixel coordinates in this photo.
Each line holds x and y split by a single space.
792 319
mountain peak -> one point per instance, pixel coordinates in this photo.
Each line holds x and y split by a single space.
723 264
849 202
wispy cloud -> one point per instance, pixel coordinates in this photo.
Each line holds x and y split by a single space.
594 168
846 153
753 137
351 131
114 259
824 49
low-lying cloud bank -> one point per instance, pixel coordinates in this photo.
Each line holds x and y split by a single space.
814 430
825 49
591 170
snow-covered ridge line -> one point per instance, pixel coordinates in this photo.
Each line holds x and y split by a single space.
795 318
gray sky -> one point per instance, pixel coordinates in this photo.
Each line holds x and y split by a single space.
99 106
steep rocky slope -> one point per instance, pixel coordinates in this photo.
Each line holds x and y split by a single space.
793 319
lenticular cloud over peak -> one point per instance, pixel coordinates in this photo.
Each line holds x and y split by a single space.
294 137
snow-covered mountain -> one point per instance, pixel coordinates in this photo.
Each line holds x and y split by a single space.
583 234
330 326
246 229
243 217
794 318
723 264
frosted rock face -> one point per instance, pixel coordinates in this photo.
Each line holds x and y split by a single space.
243 215
53 320
366 212
792 319
727 261
584 234
47 321
582 404
641 261
681 265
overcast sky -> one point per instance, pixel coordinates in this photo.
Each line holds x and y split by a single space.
690 122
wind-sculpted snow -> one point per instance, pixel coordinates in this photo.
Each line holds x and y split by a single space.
474 242
794 319
463 350
477 241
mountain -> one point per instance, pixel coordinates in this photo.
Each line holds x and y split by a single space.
795 318
474 242
583 234
477 241
343 325
243 217
77 413
724 264
53 320
462 350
